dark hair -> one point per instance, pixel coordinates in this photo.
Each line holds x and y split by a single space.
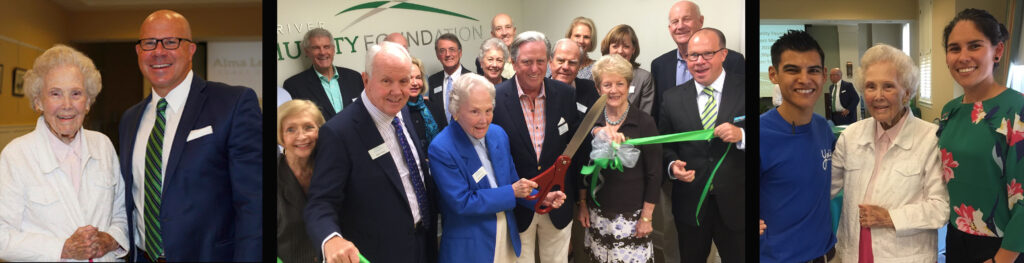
796 40
450 37
983 21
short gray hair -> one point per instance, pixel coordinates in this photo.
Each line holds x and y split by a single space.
463 85
907 74
492 43
387 47
316 32
565 40
526 37
57 56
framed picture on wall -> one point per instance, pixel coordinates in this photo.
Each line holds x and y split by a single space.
18 89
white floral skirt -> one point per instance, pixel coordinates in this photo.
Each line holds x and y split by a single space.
612 238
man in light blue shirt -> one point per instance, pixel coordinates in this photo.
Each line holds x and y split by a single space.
331 88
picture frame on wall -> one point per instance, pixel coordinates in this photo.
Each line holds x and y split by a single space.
18 81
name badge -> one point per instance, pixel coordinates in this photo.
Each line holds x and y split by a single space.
437 89
479 174
581 108
376 152
562 129
631 89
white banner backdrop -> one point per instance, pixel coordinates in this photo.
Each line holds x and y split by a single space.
236 63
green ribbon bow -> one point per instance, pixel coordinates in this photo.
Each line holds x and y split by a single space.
699 135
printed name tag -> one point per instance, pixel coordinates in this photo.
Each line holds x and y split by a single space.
563 128
479 174
581 108
376 152
437 89
631 89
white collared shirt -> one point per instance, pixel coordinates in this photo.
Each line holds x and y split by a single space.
175 106
383 123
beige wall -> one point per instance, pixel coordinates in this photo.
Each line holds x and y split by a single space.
26 26
838 9
944 88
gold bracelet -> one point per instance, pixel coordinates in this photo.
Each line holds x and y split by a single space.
645 219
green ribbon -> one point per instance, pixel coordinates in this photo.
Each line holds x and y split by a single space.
699 135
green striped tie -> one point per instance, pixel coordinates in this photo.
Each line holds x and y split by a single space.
154 162
710 113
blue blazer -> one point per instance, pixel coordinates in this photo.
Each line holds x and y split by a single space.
468 206
212 205
362 198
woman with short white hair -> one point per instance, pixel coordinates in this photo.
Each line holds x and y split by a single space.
61 191
493 55
889 167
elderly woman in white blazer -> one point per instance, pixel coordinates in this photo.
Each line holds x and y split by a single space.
61 192
889 166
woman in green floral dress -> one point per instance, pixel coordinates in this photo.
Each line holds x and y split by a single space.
981 139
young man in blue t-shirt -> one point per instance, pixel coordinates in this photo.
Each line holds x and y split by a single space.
795 152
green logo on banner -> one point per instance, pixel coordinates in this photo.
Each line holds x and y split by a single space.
377 7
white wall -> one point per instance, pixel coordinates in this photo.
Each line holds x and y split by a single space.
648 17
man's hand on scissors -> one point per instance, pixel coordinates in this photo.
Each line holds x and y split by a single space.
680 172
339 250
729 133
554 199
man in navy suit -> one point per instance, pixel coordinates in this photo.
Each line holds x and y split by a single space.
331 88
844 99
565 63
449 53
670 69
539 115
711 100
371 192
191 155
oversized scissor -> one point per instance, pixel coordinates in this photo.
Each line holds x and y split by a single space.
555 175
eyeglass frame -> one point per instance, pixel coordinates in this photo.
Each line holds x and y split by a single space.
706 55
160 42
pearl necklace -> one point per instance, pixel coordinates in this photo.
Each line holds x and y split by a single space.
621 118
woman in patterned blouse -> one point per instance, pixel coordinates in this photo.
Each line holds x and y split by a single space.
981 140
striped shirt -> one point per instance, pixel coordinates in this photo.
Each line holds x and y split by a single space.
533 113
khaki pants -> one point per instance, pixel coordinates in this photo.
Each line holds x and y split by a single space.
553 242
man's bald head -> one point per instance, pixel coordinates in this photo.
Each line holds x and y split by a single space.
398 38
684 18
835 75
503 28
166 19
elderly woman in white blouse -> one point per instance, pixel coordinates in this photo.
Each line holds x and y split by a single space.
890 169
61 192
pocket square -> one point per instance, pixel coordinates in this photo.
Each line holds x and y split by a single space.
195 134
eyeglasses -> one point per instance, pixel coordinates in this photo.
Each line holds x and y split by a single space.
170 43
450 50
707 55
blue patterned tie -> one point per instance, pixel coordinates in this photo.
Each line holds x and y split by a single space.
153 184
447 93
414 172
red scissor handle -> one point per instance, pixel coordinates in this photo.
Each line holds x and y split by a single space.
554 175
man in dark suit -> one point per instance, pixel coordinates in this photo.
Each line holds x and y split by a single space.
371 192
844 100
449 53
712 99
539 115
191 155
330 88
670 69
565 63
